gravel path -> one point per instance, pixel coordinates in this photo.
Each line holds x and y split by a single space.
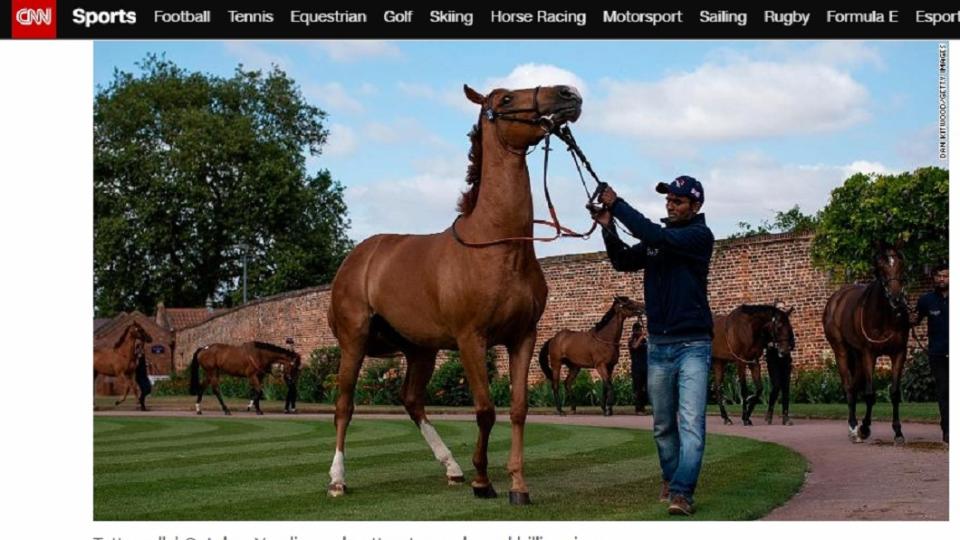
871 481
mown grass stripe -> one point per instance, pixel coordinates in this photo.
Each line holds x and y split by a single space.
573 472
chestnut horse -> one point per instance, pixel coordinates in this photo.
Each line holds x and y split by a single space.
598 349
120 360
742 336
863 322
252 360
417 294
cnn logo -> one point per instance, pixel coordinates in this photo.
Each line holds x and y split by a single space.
30 17
34 19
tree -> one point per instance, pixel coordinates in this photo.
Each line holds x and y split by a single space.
793 220
912 206
191 171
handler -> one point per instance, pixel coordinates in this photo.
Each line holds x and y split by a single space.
675 260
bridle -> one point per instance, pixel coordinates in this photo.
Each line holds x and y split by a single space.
547 124
897 303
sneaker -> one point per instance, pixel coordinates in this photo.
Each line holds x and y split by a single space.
680 506
665 491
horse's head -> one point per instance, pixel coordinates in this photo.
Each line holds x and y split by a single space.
136 333
889 268
627 307
521 118
780 330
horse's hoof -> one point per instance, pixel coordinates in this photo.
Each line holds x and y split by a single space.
228 413
608 412
199 413
787 421
455 480
900 440
768 419
519 498
259 413
484 492
337 490
727 422
747 422
115 403
863 432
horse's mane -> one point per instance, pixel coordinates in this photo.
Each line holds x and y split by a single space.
273 348
606 318
468 199
123 335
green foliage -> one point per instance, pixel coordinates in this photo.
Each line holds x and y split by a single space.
918 382
818 385
792 220
191 172
317 376
380 383
177 385
449 385
911 206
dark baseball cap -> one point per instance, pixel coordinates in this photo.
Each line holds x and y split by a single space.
684 186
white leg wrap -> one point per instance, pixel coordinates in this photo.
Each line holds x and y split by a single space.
337 472
196 406
440 450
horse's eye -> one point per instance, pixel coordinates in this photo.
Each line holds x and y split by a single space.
506 100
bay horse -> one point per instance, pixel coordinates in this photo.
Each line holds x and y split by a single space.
741 336
252 360
473 286
120 360
598 348
862 322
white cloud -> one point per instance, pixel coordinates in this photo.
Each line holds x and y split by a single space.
737 99
425 203
334 97
253 56
356 50
403 131
531 75
342 141
368 89
865 167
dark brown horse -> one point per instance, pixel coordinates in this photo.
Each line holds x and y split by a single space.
252 360
863 322
417 294
741 336
598 349
120 360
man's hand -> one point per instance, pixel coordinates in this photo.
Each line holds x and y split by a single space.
608 197
600 215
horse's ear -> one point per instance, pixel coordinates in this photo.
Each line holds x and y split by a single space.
789 311
473 95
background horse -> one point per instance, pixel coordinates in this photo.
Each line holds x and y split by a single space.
862 322
598 349
251 360
473 286
741 337
120 360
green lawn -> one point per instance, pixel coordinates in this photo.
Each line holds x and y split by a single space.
909 412
215 468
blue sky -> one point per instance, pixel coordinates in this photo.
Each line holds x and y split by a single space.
763 124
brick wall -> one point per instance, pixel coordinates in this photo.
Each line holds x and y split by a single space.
751 270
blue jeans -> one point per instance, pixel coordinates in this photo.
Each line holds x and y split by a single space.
677 378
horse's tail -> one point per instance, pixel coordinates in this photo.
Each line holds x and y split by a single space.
545 360
195 373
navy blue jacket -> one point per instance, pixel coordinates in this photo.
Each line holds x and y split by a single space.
936 308
675 260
